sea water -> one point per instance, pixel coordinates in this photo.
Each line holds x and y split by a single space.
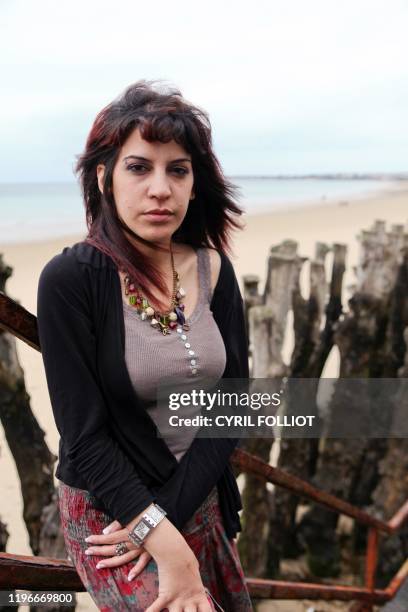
34 211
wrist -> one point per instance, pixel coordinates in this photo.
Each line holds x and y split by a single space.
167 546
143 526
137 518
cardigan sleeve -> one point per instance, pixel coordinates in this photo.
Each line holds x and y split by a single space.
68 344
207 460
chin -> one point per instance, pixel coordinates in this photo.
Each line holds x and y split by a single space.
156 236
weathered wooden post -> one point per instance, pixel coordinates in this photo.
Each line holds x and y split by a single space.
267 324
392 488
311 347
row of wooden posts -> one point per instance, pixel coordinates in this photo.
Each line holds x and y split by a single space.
370 336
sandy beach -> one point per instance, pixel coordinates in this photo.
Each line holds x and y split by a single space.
324 222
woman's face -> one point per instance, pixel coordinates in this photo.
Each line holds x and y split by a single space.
150 179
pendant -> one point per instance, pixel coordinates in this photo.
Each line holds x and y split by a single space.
164 328
180 315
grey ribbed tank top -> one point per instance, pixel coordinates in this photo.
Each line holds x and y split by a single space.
188 357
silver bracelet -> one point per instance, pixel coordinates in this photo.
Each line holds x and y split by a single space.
149 521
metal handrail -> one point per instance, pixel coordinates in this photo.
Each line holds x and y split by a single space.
254 465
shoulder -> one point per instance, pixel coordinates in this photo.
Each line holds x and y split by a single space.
215 265
60 268
73 273
72 259
223 279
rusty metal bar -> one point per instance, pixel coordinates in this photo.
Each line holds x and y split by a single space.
248 462
371 558
370 568
43 573
18 321
276 589
38 573
399 517
396 582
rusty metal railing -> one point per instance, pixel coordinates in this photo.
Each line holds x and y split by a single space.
368 594
43 573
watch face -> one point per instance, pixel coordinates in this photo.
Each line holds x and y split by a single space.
141 530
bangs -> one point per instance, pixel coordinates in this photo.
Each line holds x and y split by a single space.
163 127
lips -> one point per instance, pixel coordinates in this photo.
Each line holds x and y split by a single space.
159 216
161 211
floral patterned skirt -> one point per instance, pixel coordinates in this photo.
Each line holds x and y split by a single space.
219 563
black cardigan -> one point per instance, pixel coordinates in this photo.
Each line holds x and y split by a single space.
108 442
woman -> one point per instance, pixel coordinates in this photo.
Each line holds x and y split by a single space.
148 521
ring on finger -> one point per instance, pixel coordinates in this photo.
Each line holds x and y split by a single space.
121 548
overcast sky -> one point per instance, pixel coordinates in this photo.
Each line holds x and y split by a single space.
291 86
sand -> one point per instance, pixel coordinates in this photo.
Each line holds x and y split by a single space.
325 222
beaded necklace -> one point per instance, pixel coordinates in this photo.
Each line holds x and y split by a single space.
162 321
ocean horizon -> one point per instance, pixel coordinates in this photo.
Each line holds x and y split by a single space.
37 211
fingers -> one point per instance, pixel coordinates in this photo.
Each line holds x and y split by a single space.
206 607
110 538
117 560
158 605
163 602
142 561
112 527
110 550
209 605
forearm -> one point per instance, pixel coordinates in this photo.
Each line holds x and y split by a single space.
198 472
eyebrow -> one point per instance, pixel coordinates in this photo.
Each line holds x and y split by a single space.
173 161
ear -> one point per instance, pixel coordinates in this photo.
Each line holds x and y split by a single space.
100 173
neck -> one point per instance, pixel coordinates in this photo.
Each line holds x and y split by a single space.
160 256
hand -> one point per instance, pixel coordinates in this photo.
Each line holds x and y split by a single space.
180 585
180 588
107 542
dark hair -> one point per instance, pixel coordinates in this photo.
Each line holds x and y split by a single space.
160 116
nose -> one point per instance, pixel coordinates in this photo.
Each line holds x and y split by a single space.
159 186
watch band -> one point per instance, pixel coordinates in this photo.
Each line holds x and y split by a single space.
150 519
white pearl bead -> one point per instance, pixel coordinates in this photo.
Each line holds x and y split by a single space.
172 316
193 361
179 330
194 371
153 322
187 345
149 311
184 337
191 353
182 292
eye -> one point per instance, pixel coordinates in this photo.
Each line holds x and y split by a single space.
180 170
137 168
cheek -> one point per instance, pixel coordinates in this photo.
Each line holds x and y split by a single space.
126 196
123 205
184 192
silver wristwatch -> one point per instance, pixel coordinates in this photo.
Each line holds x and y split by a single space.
150 519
